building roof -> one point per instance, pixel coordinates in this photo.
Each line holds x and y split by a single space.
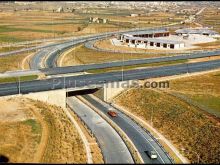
149 31
156 40
196 31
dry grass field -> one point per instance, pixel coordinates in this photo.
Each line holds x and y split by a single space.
32 131
22 26
30 25
209 46
201 89
210 17
191 131
13 62
83 55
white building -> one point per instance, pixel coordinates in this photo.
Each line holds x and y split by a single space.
150 39
138 42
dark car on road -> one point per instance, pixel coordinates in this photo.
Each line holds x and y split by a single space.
112 113
151 154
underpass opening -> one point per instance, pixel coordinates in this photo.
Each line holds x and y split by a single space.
82 92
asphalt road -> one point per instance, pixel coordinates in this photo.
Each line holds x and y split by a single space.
37 60
86 67
56 39
52 53
93 79
113 147
141 139
61 47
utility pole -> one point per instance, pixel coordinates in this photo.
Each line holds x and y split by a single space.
187 68
19 85
122 73
151 118
64 82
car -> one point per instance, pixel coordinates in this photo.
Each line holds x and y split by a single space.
112 113
151 154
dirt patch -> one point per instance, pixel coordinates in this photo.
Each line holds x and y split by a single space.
20 130
11 111
32 131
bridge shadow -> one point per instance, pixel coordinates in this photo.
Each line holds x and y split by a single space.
4 159
81 92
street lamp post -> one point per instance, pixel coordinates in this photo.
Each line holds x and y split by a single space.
122 73
19 85
187 68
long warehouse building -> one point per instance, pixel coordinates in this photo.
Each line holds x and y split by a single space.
150 39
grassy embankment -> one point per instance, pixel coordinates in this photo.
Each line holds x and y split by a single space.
13 62
192 130
200 89
32 131
83 55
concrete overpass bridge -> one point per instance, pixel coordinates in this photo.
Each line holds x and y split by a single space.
97 81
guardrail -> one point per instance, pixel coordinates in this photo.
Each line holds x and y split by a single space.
87 127
162 148
132 149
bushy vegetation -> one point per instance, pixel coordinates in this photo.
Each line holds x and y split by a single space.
187 127
64 143
201 89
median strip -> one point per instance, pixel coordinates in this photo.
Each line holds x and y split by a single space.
130 67
17 79
131 147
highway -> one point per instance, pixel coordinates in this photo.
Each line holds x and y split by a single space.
52 53
62 38
113 147
141 139
57 49
37 63
14 52
86 67
93 79
37 60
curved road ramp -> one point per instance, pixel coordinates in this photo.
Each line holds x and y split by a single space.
113 147
140 137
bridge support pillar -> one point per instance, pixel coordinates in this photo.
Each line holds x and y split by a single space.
55 97
111 90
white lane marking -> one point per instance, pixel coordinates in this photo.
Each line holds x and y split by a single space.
106 76
146 139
